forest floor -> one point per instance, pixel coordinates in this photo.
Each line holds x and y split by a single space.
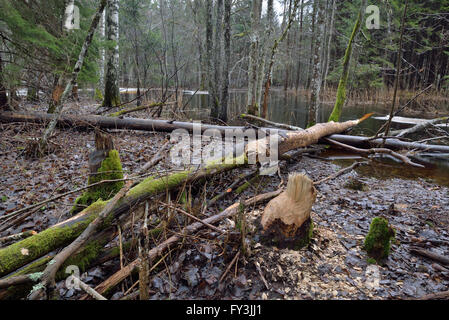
333 266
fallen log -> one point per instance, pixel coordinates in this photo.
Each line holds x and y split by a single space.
140 108
92 121
30 249
395 144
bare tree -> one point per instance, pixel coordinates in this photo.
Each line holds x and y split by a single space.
111 90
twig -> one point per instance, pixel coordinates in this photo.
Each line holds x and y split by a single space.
18 236
94 294
261 275
339 173
193 217
229 266
430 255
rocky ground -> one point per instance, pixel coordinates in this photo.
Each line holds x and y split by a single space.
333 266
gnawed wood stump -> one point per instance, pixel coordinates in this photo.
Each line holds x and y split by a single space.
286 220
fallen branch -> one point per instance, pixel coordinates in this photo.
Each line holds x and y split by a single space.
48 276
271 123
430 255
419 127
94 294
152 105
18 236
341 172
399 156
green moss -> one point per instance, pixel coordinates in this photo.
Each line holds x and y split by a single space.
22 252
341 91
98 95
378 240
111 169
306 237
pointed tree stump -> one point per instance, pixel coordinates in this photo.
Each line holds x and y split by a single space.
286 219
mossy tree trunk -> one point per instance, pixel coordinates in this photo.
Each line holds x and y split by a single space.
341 91
104 164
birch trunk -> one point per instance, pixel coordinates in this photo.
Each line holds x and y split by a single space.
317 76
102 50
111 90
253 57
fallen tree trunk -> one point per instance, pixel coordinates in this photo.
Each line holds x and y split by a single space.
396 144
25 251
90 121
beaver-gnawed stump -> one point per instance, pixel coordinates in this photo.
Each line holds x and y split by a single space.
286 220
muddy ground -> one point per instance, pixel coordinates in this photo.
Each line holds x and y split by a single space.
333 266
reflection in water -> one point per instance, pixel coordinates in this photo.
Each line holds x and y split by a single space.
384 167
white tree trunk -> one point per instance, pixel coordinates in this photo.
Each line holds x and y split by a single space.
111 90
317 76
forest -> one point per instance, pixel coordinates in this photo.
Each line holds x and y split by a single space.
224 150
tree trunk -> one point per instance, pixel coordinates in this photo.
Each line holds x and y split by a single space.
216 93
264 52
341 91
227 61
209 47
253 57
3 96
102 51
111 90
273 54
317 76
301 34
329 43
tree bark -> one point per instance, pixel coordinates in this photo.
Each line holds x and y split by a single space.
111 90
253 57
227 60
317 76
341 91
